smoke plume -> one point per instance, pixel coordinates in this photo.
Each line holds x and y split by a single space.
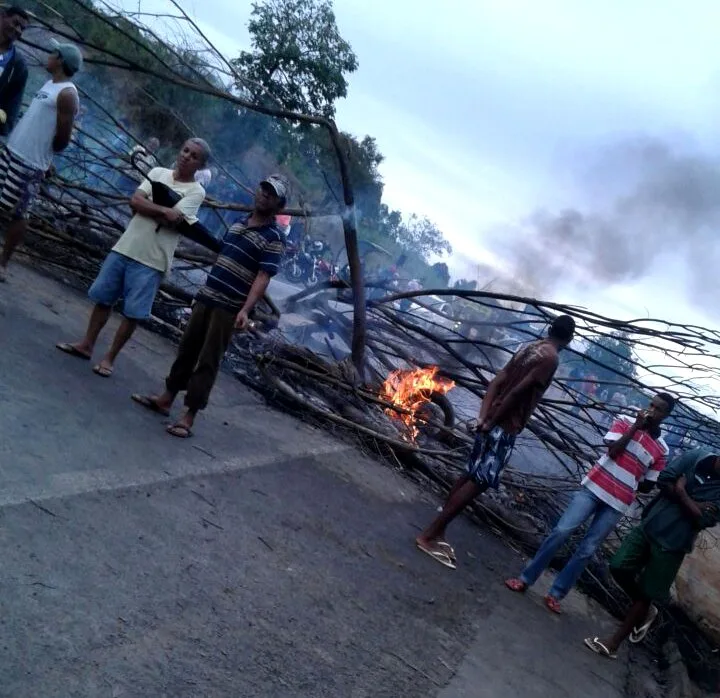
657 203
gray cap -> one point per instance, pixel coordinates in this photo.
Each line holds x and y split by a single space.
70 55
279 185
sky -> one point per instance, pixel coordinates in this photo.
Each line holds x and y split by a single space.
490 111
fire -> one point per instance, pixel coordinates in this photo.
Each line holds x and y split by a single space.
411 390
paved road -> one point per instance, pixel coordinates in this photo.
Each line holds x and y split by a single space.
262 558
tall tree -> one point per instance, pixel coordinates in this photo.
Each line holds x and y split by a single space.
423 236
297 56
615 354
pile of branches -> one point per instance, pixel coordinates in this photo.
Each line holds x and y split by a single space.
328 355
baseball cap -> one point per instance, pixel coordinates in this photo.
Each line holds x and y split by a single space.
279 185
70 54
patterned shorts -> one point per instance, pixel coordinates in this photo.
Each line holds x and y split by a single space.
19 185
489 456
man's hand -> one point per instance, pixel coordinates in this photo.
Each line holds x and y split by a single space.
640 419
242 321
698 509
172 216
484 426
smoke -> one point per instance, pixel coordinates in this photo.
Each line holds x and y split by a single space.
655 204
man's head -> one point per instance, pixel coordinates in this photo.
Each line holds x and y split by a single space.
65 59
152 144
271 195
562 330
13 22
660 407
192 157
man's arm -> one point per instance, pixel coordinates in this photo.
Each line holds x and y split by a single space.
490 396
672 483
257 291
617 447
140 203
67 105
12 108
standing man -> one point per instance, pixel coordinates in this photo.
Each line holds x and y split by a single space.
13 22
635 458
142 256
652 553
250 256
511 398
45 129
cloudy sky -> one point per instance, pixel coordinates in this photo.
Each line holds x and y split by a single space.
490 111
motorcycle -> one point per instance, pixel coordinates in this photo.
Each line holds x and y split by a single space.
291 266
305 264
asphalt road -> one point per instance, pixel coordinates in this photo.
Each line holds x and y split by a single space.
262 558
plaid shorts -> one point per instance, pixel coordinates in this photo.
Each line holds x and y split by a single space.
19 185
489 456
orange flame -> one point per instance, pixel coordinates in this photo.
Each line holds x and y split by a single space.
411 390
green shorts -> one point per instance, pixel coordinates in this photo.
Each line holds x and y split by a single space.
651 569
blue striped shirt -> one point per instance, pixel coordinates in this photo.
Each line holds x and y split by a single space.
246 251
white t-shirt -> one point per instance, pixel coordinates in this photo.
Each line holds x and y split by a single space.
142 241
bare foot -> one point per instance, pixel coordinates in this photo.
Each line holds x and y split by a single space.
79 349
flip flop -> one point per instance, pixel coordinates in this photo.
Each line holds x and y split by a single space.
438 556
180 431
149 404
102 371
450 551
596 646
68 348
638 634
552 604
517 585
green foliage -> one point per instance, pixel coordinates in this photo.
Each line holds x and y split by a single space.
298 56
615 352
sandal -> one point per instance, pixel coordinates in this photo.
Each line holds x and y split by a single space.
594 644
638 634
149 403
516 584
552 604
438 555
68 348
102 371
179 430
449 550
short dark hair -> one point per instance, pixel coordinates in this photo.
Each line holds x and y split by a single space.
562 328
669 400
16 11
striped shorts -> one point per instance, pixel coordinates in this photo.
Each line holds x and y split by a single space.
19 185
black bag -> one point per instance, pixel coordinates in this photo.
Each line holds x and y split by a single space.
162 195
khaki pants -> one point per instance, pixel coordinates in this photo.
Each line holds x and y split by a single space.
202 347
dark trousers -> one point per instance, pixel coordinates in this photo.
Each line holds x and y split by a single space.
200 354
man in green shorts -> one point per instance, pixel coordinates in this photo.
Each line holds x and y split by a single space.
652 553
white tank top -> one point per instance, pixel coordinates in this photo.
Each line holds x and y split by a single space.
32 138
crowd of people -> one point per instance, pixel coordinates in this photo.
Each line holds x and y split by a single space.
635 461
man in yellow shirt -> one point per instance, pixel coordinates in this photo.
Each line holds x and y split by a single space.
143 255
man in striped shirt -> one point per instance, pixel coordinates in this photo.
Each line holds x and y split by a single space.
635 457
250 256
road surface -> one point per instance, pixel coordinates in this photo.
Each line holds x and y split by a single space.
261 558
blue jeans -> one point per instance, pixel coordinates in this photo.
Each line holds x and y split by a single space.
584 506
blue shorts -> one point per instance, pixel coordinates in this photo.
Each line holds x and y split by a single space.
122 277
489 456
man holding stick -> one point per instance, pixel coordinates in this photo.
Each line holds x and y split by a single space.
142 256
249 257
511 398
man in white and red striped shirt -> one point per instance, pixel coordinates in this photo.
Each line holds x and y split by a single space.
635 457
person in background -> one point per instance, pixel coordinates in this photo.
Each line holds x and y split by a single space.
13 79
143 159
650 557
284 223
204 177
141 257
635 457
510 401
250 257
44 130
